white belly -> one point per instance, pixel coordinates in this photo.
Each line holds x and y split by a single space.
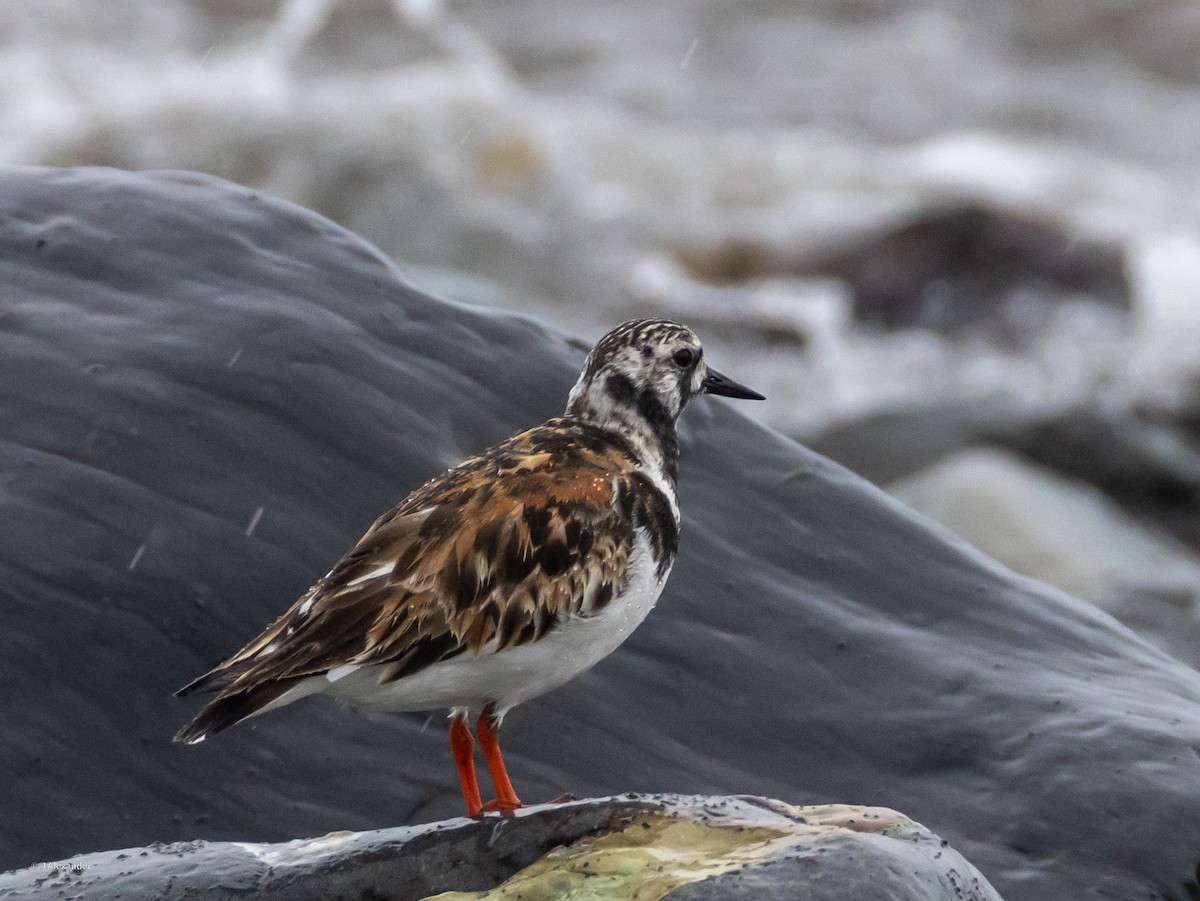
508 677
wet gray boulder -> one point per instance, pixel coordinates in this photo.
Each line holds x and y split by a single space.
206 395
1147 460
963 265
951 268
886 445
668 847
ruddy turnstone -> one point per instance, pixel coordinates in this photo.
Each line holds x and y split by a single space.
502 578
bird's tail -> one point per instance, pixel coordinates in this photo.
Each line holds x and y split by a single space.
233 704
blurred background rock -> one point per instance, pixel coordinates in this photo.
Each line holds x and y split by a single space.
957 245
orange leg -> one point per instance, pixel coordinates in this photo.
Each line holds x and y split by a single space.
462 746
506 799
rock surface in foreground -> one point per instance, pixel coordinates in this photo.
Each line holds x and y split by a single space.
651 847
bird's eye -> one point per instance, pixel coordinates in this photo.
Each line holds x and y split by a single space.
684 358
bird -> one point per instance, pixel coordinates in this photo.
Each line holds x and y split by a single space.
502 578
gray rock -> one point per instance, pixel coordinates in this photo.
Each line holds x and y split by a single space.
950 268
178 354
681 848
1146 460
1149 461
887 445
1070 535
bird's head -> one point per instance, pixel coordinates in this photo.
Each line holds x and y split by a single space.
641 375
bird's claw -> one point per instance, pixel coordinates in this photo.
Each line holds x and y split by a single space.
496 806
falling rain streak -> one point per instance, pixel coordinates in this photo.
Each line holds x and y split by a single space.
687 57
254 521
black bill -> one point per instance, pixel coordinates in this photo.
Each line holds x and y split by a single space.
715 383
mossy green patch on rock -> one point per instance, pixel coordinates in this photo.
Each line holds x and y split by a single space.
648 858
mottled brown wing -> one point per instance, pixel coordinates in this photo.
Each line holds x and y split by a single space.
488 557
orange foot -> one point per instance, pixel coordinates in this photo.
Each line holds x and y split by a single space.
497 805
505 809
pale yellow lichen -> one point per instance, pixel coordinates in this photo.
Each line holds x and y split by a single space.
644 861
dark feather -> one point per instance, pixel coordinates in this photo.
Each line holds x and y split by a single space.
229 708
